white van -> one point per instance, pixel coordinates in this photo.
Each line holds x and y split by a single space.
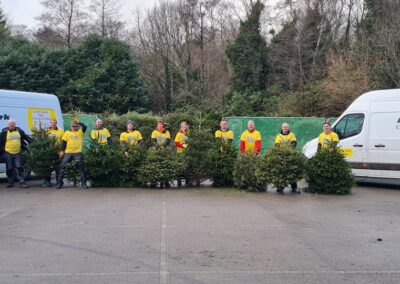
369 132
29 110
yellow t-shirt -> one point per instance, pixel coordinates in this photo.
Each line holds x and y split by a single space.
131 138
285 139
74 141
224 135
324 139
161 137
181 138
13 142
56 134
100 136
250 139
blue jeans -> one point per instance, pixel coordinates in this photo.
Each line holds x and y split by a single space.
13 167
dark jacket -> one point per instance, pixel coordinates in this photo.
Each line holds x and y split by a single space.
25 139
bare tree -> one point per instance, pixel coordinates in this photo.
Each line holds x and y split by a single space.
65 18
107 21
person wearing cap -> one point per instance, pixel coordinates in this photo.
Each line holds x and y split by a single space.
181 138
12 140
101 134
160 138
286 137
250 141
327 137
56 133
71 149
224 134
131 137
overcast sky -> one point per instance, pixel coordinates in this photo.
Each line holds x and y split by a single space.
24 11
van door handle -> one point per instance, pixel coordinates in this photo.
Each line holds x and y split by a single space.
357 145
380 146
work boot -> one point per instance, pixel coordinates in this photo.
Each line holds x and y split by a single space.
280 190
179 183
59 186
294 188
23 185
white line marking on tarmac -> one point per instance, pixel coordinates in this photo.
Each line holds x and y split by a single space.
164 274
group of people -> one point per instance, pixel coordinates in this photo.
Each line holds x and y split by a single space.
13 140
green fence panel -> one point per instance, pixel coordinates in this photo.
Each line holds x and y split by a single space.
87 119
305 128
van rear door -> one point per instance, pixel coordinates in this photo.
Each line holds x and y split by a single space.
384 140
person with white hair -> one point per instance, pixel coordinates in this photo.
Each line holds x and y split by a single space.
286 137
12 140
250 141
101 134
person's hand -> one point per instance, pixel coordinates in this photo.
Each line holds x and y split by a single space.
61 154
185 145
75 120
126 154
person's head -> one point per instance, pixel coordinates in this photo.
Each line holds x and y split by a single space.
11 124
224 124
99 123
184 126
74 126
285 128
326 127
160 124
53 123
130 125
250 125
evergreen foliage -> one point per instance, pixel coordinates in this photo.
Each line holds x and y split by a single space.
42 155
244 174
328 172
221 158
281 166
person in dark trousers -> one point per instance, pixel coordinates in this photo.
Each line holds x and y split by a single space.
286 137
71 149
12 140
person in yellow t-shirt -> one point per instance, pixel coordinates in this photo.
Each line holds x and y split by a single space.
71 149
181 138
224 134
326 137
12 140
250 141
56 133
160 138
181 144
101 134
131 137
286 137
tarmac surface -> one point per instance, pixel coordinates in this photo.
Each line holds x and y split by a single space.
198 236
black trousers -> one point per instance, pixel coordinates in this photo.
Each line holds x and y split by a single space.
14 167
68 158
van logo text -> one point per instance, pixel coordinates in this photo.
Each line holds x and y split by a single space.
4 117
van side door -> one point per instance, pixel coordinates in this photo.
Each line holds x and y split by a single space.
351 132
384 140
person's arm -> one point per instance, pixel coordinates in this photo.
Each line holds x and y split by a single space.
84 126
109 141
178 144
258 147
24 137
294 143
242 146
63 145
2 142
154 142
167 142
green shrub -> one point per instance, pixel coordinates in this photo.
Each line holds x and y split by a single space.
328 172
244 174
42 155
160 165
195 159
102 164
280 166
130 165
221 159
71 173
